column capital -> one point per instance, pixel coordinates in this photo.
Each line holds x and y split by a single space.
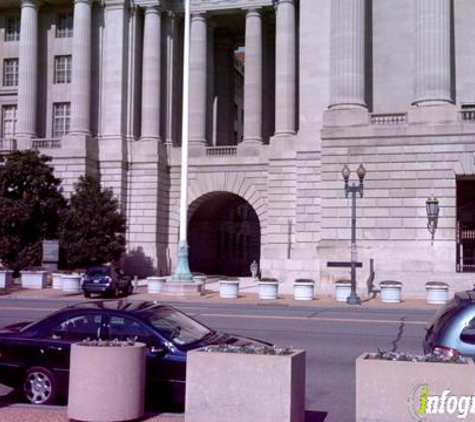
156 10
253 12
30 3
86 2
279 2
198 17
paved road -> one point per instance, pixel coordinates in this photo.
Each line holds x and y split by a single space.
332 336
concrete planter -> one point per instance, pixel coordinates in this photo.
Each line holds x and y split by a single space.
304 289
155 284
437 293
342 290
71 283
268 289
391 391
229 289
33 279
57 282
390 291
200 280
6 279
244 387
106 384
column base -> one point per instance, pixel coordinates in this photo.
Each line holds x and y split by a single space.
249 148
335 117
432 113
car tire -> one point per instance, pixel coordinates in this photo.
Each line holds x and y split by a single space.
116 292
129 289
40 386
87 295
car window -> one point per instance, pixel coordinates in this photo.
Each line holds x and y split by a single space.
124 328
98 272
76 328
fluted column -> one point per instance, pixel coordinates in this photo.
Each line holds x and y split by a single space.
151 74
285 67
347 84
28 69
198 77
433 68
81 69
253 78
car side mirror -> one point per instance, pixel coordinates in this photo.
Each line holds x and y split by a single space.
468 335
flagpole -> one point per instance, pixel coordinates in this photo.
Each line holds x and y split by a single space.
182 271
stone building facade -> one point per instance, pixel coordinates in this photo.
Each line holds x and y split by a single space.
97 85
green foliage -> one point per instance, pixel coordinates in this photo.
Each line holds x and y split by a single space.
92 228
30 203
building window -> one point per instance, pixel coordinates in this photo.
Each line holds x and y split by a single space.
64 25
62 69
61 119
10 72
12 30
8 121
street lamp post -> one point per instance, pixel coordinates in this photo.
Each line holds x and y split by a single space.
353 299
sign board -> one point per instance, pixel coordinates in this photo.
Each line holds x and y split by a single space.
50 251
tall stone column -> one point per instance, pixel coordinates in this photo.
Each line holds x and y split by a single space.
433 68
81 69
253 78
198 78
285 69
151 74
28 70
347 84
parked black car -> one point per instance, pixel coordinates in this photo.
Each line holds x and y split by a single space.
452 331
34 357
105 279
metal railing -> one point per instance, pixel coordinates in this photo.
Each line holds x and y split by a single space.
467 115
53 143
388 119
7 144
221 150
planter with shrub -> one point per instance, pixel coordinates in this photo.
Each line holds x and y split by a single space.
268 288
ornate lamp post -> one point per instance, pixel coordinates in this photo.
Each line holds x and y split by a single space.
432 209
353 299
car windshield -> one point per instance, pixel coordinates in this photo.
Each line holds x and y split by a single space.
98 272
177 327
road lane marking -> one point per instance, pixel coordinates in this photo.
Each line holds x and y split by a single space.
313 318
253 316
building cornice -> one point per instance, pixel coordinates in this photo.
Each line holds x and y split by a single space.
201 6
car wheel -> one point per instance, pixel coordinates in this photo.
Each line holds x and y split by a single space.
87 294
40 385
130 289
116 292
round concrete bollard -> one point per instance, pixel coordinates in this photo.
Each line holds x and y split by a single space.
106 383
390 291
71 283
342 290
229 289
437 293
155 284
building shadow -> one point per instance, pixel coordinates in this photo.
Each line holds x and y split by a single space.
314 416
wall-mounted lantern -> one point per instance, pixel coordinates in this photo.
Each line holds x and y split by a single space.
432 209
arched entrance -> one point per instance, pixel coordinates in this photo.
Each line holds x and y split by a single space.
224 235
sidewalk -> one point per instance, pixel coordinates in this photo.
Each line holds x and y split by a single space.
32 413
248 296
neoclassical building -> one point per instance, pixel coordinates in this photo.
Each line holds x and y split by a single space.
283 94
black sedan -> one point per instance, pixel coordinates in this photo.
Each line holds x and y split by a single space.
34 357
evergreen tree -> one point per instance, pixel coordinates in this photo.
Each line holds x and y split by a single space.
30 204
92 228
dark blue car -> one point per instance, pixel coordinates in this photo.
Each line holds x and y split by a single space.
34 357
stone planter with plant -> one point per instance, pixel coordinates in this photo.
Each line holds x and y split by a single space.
394 387
106 381
6 278
229 288
155 284
437 292
304 289
342 290
33 278
390 291
268 288
245 384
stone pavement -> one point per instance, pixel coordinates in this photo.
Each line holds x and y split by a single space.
31 413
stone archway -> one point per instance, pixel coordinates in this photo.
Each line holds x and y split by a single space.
224 235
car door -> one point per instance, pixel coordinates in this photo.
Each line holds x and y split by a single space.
64 331
165 368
